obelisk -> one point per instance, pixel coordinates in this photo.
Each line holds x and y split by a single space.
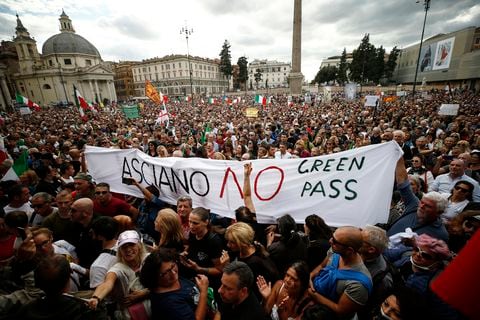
295 78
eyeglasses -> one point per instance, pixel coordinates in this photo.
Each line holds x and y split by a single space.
335 241
100 192
170 270
37 206
415 160
423 254
462 189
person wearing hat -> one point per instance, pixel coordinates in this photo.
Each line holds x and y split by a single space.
121 282
84 187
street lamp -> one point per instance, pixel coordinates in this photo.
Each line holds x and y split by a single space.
187 33
426 3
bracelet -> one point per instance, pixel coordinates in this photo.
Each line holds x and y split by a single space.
98 299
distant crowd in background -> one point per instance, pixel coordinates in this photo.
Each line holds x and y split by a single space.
70 248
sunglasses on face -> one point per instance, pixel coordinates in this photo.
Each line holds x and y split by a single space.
423 254
37 206
336 242
100 192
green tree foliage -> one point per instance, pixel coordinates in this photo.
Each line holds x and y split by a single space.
342 76
326 74
391 63
243 70
258 76
363 60
226 60
378 66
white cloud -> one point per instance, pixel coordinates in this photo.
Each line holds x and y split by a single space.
259 29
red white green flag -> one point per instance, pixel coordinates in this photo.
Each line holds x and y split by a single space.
81 103
29 103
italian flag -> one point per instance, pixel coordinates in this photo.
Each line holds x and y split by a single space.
19 166
261 99
27 102
188 98
212 100
81 103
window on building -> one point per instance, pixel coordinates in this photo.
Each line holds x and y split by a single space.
88 62
46 86
67 61
144 69
50 63
155 68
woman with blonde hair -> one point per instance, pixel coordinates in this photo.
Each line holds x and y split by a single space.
168 225
240 240
162 152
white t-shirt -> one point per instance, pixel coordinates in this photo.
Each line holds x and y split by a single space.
100 267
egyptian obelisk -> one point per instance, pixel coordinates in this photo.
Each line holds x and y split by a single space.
295 78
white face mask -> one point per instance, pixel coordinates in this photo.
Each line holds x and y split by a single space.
421 267
384 316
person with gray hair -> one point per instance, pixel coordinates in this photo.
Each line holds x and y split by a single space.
422 216
399 137
238 300
375 242
42 207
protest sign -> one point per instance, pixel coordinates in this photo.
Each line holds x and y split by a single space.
448 109
371 101
347 188
251 112
131 112
25 111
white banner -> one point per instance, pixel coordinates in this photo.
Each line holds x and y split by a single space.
347 188
371 101
350 90
448 109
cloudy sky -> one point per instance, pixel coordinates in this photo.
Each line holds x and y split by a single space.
258 29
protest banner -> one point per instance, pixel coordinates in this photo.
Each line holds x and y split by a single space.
371 101
448 109
251 112
131 112
347 188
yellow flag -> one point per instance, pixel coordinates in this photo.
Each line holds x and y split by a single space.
152 93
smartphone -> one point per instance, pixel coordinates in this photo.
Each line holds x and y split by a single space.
21 233
128 181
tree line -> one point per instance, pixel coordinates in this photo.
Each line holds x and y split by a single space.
368 65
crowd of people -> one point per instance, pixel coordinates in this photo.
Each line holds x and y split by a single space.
72 248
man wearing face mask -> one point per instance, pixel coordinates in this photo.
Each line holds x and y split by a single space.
427 261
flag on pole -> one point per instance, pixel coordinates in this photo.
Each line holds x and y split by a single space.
81 103
212 100
188 98
163 117
152 93
203 139
19 166
29 103
261 99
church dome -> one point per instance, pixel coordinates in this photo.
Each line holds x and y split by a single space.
67 42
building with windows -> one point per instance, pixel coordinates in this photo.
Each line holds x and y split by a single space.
123 79
335 61
452 58
274 74
67 59
179 75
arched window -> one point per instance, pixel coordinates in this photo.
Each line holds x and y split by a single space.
46 86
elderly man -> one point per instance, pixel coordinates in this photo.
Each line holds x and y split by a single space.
42 208
399 137
421 216
375 241
84 187
444 183
342 282
184 208
87 248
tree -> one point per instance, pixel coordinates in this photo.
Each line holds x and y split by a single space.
378 66
391 63
226 61
326 74
258 76
342 76
363 59
243 73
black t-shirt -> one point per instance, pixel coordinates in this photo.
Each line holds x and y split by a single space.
249 309
261 266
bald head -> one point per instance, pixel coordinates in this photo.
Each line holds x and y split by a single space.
82 211
350 236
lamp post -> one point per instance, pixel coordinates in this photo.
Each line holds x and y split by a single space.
426 3
187 33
